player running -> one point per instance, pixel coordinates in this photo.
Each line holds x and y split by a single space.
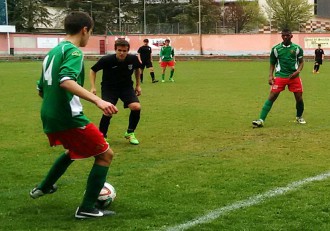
286 59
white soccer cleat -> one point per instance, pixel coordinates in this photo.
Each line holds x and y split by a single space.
300 120
258 123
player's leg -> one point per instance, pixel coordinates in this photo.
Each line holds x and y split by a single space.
266 109
319 65
300 107
132 102
47 186
171 64
112 97
95 182
141 74
163 66
94 146
134 119
296 87
277 87
315 67
152 73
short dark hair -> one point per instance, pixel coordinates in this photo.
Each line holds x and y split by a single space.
121 42
286 30
75 21
146 40
167 40
319 44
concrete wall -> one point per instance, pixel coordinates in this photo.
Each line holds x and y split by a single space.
226 45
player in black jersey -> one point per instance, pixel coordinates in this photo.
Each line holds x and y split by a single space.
145 58
117 84
319 56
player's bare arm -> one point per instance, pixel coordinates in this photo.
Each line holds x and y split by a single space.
271 74
76 89
92 78
139 57
138 83
299 69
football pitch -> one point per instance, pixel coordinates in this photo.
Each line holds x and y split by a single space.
199 166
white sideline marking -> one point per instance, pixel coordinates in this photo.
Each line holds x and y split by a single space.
248 202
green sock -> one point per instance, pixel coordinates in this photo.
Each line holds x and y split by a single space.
172 73
56 171
300 108
163 76
95 182
265 109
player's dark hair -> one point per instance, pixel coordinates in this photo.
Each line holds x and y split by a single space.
75 21
319 44
122 43
167 40
146 40
286 30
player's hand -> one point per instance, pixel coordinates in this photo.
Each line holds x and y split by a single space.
271 80
107 108
294 74
93 90
138 91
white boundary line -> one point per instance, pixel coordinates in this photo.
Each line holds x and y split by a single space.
254 200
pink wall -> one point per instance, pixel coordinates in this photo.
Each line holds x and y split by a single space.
227 44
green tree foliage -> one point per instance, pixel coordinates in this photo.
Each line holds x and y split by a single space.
110 18
289 13
242 15
27 14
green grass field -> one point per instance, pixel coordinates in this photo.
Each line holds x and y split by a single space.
198 154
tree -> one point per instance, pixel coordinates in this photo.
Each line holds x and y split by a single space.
242 15
27 14
289 13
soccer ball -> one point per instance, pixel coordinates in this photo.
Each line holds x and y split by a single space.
106 196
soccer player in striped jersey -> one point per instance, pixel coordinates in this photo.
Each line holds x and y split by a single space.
61 87
286 60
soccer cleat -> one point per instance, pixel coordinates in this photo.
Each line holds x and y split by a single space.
300 120
131 137
163 81
36 192
258 123
155 81
92 213
171 79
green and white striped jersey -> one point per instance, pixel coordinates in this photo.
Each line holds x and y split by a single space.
61 110
285 59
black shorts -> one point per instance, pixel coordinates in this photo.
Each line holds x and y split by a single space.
126 95
146 64
319 61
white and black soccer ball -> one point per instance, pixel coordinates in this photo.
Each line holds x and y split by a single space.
106 196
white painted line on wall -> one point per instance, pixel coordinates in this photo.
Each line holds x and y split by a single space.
254 200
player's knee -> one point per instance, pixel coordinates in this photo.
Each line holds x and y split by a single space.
105 158
135 106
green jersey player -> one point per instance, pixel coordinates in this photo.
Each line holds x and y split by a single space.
61 87
286 60
167 58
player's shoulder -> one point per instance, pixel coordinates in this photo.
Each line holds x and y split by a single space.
70 50
131 57
108 57
296 45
